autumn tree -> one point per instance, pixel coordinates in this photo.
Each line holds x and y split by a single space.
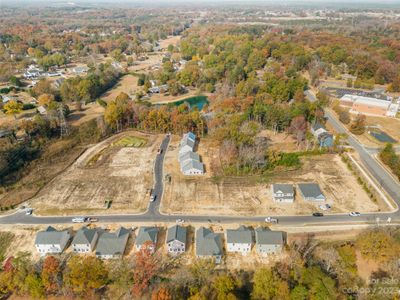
298 127
344 117
377 245
146 266
85 274
45 99
358 125
51 274
13 108
225 286
268 285
161 294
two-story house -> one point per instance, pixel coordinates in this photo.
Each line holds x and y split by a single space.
85 240
176 240
268 242
282 192
239 240
51 241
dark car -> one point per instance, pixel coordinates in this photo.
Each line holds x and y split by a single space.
318 214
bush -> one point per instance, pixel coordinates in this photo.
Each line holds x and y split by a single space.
344 117
27 106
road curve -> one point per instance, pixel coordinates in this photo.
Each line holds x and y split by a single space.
153 213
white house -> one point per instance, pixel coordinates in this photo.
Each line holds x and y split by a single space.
51 241
239 240
147 235
192 167
176 240
189 161
282 192
85 240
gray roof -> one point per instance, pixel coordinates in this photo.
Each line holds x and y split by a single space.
310 190
284 188
84 236
268 237
188 155
113 243
146 234
176 233
50 236
208 243
317 125
187 142
241 235
192 164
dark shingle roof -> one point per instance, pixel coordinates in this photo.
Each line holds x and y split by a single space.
50 236
113 243
84 236
284 188
208 243
268 237
146 234
176 233
240 235
310 190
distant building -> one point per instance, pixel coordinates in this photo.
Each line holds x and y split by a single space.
324 138
85 240
239 240
112 244
311 192
208 244
189 161
80 70
51 241
176 240
147 235
282 192
369 106
268 242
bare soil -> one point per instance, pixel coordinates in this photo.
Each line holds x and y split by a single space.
208 195
122 175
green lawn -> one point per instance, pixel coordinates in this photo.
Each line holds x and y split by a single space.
131 141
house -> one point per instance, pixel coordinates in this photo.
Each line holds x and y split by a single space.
192 167
325 139
51 240
80 70
187 143
239 240
147 235
208 244
85 240
317 128
282 192
176 240
311 192
268 242
112 244
188 156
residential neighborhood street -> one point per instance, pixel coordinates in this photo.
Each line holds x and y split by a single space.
153 214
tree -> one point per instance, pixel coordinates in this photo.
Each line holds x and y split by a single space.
13 108
358 125
42 87
268 285
161 294
377 245
85 274
145 269
344 117
299 96
298 127
45 99
224 285
15 81
349 83
51 273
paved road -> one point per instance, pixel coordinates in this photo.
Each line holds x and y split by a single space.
153 214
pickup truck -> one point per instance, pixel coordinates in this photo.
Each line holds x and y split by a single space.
271 220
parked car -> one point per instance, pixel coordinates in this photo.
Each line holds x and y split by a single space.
318 214
271 220
180 221
325 207
152 198
92 220
28 211
79 220
354 214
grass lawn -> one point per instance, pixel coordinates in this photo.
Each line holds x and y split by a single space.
5 241
131 141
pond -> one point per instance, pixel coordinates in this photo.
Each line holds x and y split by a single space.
195 101
382 137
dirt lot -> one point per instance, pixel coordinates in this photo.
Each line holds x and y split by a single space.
251 195
280 141
118 174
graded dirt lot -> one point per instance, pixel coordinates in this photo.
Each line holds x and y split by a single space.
207 195
105 172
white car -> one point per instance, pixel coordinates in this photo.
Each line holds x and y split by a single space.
152 198
180 221
325 206
271 220
79 220
28 211
354 214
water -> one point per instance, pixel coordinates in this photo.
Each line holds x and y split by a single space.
196 101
